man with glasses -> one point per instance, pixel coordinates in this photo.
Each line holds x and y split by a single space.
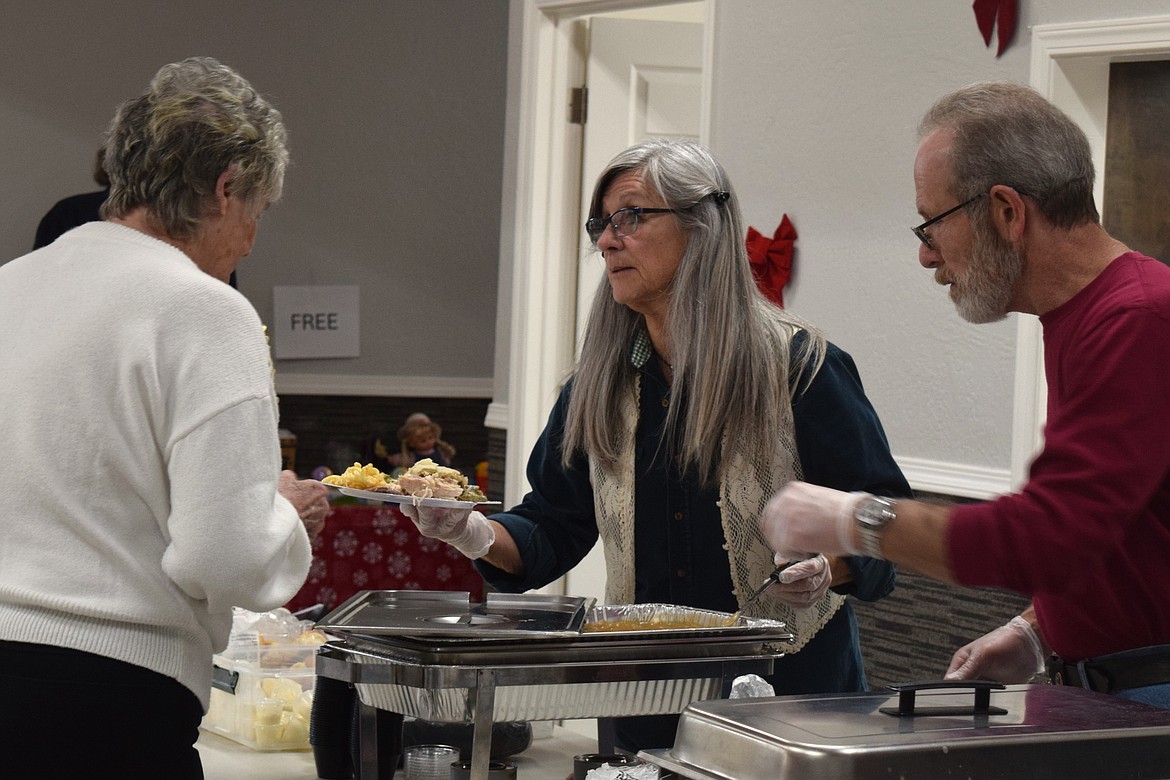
1004 181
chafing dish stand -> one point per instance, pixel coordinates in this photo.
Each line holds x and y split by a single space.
373 669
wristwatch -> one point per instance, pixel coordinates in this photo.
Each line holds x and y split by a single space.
872 515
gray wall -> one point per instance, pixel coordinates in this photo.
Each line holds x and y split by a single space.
396 116
399 130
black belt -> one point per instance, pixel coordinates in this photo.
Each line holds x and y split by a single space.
1114 672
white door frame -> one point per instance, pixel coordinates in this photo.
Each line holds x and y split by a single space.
546 233
1070 66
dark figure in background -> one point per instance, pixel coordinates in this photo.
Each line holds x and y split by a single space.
75 210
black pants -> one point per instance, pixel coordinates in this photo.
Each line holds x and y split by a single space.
69 714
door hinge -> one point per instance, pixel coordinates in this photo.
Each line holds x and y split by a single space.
578 105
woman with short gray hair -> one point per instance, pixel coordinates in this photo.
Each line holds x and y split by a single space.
140 419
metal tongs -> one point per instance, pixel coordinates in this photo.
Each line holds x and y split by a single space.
773 578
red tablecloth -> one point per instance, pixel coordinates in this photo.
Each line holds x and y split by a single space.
376 547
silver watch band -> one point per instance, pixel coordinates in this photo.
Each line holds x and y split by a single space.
872 516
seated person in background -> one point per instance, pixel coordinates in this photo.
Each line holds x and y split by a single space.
694 399
419 437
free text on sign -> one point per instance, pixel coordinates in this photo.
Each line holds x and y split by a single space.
316 321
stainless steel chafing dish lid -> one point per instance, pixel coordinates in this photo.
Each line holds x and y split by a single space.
450 616
452 613
1028 731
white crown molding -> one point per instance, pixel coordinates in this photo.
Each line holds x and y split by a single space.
955 479
384 385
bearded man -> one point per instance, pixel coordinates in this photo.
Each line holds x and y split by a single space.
1005 182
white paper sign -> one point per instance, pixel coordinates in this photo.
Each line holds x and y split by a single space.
320 321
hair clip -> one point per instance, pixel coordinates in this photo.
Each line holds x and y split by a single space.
721 196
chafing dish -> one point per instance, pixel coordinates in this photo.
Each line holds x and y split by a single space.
437 656
922 731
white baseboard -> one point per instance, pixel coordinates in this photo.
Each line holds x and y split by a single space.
955 479
390 386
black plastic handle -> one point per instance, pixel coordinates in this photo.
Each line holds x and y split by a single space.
980 706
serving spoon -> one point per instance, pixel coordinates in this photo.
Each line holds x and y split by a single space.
773 578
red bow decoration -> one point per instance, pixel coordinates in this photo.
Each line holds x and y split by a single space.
988 12
772 259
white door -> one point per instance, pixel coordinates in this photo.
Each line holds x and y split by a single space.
644 80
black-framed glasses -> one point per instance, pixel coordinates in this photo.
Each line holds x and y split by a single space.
920 230
624 221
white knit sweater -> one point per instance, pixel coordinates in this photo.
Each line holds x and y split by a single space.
139 419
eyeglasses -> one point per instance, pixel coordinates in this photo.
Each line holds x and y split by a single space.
624 221
920 231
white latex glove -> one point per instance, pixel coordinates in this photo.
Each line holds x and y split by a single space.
466 530
1011 653
802 584
803 520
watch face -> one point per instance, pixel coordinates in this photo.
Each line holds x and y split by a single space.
875 513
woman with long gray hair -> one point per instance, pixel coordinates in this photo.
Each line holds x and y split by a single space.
693 401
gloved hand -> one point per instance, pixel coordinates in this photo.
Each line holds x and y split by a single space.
803 519
466 530
1011 653
802 584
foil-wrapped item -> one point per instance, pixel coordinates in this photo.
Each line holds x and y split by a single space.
751 686
632 618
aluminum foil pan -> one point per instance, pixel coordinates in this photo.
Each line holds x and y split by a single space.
660 621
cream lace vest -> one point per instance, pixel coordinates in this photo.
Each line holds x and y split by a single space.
749 483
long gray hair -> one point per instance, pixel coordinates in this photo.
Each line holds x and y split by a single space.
1009 134
167 148
733 371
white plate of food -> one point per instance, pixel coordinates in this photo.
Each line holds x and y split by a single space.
397 498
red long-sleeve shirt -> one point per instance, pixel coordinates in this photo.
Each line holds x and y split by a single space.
1088 536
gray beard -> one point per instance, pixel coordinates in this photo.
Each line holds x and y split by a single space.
984 292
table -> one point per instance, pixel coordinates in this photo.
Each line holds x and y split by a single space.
373 546
549 758
481 691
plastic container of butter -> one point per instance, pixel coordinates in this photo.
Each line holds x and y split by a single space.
261 695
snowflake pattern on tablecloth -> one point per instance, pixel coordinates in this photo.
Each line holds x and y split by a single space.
398 564
385 521
327 596
345 543
377 548
371 552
